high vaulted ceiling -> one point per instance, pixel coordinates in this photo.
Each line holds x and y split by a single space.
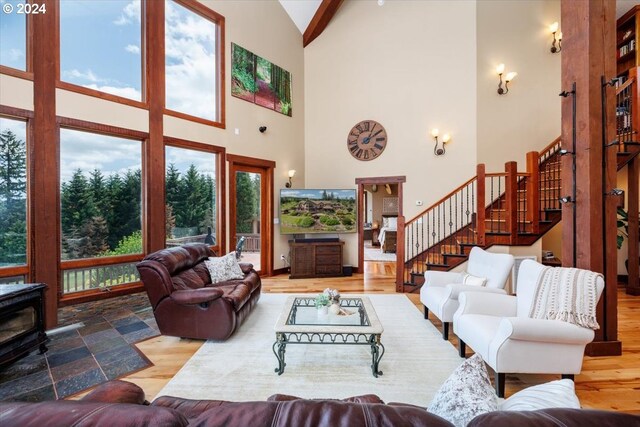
301 11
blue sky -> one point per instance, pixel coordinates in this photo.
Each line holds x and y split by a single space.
100 44
101 48
317 194
13 34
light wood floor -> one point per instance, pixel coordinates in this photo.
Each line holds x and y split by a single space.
605 382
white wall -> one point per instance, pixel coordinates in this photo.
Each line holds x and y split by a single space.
527 118
409 65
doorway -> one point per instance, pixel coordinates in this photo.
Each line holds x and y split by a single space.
251 210
381 222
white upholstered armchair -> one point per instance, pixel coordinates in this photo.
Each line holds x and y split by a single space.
498 327
441 289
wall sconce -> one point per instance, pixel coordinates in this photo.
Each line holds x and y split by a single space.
566 199
292 173
445 138
556 39
510 76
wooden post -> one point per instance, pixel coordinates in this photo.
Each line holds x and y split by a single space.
589 40
400 244
44 203
153 195
635 101
511 200
633 285
481 209
533 191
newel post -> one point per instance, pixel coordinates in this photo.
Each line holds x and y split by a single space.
511 200
533 191
480 204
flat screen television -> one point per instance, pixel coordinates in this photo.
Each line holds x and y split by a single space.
317 211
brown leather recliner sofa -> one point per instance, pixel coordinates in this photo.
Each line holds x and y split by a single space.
186 304
119 403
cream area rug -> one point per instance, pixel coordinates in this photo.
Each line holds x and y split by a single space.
416 361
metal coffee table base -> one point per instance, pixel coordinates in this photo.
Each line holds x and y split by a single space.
372 340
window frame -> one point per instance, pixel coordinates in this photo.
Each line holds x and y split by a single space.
210 15
220 152
118 132
72 87
26 116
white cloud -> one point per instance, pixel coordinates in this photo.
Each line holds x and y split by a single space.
191 63
132 48
15 54
77 74
126 92
183 158
130 13
89 151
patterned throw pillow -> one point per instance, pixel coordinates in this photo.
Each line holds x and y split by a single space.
224 268
466 394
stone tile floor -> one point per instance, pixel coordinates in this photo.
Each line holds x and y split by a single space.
101 349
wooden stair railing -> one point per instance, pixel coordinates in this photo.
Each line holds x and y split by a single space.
510 208
627 119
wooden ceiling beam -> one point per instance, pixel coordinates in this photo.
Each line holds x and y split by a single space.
320 20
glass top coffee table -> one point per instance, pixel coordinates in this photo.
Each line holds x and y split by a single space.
300 323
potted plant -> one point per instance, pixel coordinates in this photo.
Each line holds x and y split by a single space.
322 303
623 231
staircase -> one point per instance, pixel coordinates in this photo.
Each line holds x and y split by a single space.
504 208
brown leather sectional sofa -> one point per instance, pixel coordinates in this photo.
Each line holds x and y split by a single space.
119 403
186 304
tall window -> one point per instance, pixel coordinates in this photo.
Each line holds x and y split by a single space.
13 192
100 195
191 62
13 33
101 45
190 196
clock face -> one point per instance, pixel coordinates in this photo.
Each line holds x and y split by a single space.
367 140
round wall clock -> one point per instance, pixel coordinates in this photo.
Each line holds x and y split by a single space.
367 140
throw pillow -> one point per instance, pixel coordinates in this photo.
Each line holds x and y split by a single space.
466 394
471 280
554 394
224 268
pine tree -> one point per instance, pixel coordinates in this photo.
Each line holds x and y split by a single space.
93 240
174 195
245 202
195 207
13 209
98 187
169 221
77 204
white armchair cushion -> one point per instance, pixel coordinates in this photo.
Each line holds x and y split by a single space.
540 330
554 394
466 394
471 280
441 278
495 267
456 289
488 303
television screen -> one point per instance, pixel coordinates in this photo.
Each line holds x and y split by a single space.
317 211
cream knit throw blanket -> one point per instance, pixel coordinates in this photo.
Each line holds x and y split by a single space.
567 294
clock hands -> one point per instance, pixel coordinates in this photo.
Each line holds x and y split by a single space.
368 138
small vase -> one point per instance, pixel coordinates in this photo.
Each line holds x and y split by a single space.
323 310
334 308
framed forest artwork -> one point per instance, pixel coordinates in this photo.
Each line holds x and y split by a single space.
258 80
